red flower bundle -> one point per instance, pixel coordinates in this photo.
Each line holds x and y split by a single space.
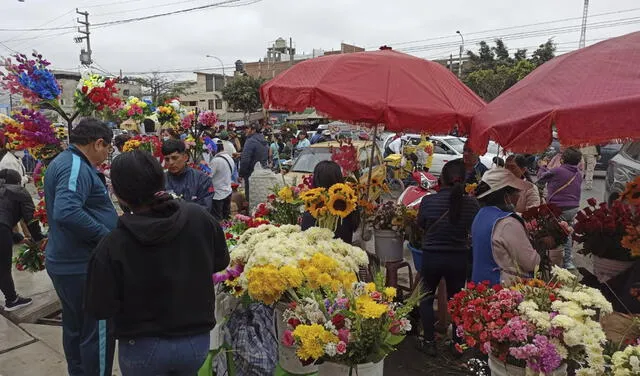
346 157
104 97
601 228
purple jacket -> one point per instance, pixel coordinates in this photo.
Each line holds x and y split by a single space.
556 178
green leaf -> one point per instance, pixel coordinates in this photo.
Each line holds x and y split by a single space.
393 339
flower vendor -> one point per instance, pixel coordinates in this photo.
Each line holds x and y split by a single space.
152 274
15 205
169 133
325 175
445 219
475 168
563 190
501 247
530 197
188 183
80 214
12 159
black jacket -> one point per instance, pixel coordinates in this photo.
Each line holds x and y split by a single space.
255 150
16 204
153 273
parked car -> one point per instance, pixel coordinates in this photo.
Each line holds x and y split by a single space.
607 152
447 148
622 168
304 164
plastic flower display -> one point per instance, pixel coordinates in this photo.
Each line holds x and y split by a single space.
346 156
169 113
359 323
30 78
136 109
277 260
96 93
31 130
535 324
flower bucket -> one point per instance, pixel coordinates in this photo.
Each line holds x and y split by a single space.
336 369
605 269
287 358
416 253
389 246
500 368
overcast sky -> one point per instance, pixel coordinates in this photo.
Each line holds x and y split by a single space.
182 41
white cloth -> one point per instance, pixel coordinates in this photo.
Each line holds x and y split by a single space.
12 162
396 145
229 148
221 175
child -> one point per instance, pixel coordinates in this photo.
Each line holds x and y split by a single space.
15 204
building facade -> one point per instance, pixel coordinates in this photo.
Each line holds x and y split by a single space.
207 93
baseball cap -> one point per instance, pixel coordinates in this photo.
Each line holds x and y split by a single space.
498 178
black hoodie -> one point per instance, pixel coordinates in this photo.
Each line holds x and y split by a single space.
153 273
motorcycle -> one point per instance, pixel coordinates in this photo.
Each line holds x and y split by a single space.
426 184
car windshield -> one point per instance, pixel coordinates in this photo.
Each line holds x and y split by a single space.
632 150
455 143
309 158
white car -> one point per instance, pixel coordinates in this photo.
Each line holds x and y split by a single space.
448 148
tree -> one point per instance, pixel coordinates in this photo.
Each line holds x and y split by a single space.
544 53
160 88
493 70
243 94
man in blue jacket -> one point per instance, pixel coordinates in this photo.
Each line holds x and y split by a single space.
188 183
80 214
255 150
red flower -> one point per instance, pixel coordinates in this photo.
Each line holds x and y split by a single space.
338 321
293 322
592 201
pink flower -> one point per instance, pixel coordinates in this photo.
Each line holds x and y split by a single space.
341 348
395 327
376 296
343 335
287 338
220 276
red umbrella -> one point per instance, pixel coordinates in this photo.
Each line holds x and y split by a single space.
591 95
380 87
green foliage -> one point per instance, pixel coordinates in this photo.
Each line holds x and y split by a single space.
492 70
243 94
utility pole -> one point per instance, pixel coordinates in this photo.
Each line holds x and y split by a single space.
450 62
460 57
583 31
85 55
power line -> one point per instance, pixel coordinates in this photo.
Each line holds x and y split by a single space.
511 27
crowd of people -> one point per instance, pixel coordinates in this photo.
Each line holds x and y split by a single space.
144 277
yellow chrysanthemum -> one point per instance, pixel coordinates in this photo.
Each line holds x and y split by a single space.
324 263
348 279
312 339
390 293
265 284
286 194
292 275
131 145
312 274
370 287
341 206
367 308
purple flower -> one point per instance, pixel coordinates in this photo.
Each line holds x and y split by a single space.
541 355
220 277
235 270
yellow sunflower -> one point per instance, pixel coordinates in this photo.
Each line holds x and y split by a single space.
311 194
339 188
317 208
340 205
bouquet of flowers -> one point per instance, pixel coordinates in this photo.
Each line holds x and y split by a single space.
346 156
359 323
283 207
31 79
30 257
167 114
31 130
391 216
136 109
234 228
277 260
546 230
535 324
330 206
151 144
601 228
626 362
96 93
208 119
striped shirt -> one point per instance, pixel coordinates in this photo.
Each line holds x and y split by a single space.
445 236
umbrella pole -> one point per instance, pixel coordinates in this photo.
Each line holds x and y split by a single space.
373 153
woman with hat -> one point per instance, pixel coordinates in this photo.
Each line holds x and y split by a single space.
501 247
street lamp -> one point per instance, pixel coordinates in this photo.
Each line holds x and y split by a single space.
460 56
224 84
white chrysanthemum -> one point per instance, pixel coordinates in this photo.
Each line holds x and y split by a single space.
562 275
330 349
560 348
